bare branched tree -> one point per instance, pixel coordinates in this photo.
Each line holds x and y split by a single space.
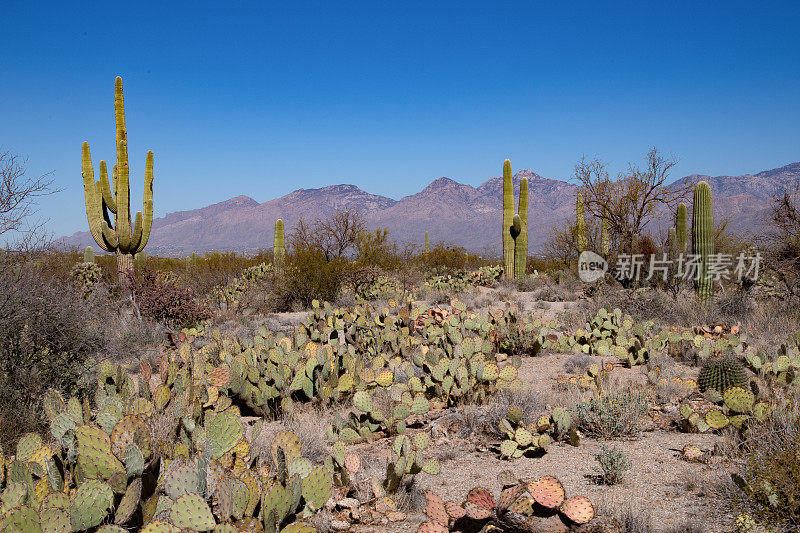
630 201
339 232
18 194
781 242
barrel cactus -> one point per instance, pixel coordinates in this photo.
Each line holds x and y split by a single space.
721 373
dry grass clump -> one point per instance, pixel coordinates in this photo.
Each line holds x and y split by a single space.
612 416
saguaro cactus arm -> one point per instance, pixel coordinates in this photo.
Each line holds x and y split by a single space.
102 234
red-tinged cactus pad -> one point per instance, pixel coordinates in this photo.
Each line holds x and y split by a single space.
577 509
454 510
547 491
220 376
435 508
432 527
352 463
475 512
481 497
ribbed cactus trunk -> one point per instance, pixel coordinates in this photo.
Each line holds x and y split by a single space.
580 225
521 241
427 244
508 220
124 239
279 246
703 239
605 237
88 255
680 228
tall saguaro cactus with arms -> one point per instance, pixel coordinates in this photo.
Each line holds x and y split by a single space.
123 238
515 226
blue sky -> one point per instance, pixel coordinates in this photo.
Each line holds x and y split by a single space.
261 98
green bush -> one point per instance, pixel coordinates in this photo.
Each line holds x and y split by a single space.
612 465
767 483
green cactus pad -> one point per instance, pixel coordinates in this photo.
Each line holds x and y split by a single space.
224 431
23 519
716 419
91 505
191 512
180 480
129 502
317 487
159 527
738 399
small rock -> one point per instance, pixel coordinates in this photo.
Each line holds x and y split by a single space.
339 525
348 503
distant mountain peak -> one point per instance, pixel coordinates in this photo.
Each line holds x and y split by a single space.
452 212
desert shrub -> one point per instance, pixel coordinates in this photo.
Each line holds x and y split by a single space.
612 465
612 416
310 276
443 259
162 298
577 363
767 483
48 331
202 273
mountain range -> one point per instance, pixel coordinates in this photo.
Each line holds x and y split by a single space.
450 211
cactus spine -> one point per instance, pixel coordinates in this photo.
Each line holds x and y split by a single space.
703 239
680 228
508 220
580 225
88 255
124 239
521 241
427 243
279 245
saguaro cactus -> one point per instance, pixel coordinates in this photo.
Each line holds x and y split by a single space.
279 245
680 228
521 240
88 255
580 225
703 239
508 220
605 238
124 239
427 243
